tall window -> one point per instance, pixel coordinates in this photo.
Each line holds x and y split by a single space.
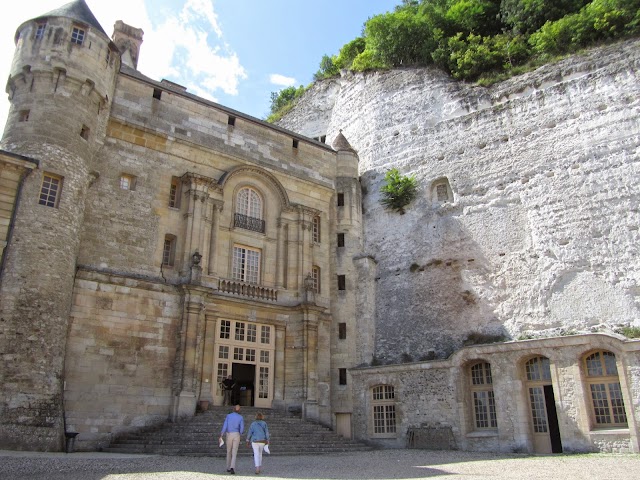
484 405
340 240
342 282
249 210
169 250
538 371
315 276
50 190
246 264
40 31
604 386
174 193
77 36
316 229
384 410
342 376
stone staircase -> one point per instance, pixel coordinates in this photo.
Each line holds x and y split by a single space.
198 436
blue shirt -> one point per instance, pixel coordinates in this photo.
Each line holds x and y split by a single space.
258 431
233 423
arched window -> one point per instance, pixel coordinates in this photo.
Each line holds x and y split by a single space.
604 386
249 210
484 405
383 410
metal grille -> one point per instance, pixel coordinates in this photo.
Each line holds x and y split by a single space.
249 223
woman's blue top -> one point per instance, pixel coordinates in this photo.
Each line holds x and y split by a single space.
258 431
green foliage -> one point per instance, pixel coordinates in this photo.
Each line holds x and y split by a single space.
631 332
349 52
398 190
482 39
400 39
283 101
599 20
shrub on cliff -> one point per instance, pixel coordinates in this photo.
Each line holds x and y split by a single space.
398 191
283 101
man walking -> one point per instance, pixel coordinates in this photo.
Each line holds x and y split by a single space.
233 427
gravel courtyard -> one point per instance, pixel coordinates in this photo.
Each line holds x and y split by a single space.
385 464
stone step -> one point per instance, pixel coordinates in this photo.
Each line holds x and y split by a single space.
198 436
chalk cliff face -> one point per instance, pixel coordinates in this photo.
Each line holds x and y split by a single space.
527 219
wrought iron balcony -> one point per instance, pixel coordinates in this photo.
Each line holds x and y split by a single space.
249 223
247 290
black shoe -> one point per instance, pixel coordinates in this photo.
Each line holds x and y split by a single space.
232 471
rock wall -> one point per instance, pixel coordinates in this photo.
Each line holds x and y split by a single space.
538 234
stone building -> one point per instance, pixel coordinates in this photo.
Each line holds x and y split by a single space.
156 242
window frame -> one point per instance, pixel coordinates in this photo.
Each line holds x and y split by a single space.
175 193
315 229
127 182
482 388
78 35
383 407
240 272
249 209
606 380
169 250
52 195
40 29
316 274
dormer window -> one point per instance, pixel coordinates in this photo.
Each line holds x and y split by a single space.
77 36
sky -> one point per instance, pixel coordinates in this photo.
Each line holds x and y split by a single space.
233 52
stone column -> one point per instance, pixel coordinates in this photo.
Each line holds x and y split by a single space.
279 255
208 357
279 381
187 368
213 238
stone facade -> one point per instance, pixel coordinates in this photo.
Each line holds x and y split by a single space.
525 227
157 242
163 242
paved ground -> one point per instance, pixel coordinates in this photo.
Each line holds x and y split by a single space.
378 465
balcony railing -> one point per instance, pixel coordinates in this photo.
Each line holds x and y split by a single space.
247 290
249 223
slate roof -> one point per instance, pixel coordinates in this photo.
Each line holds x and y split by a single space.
340 143
76 10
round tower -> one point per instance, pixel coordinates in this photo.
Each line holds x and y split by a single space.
60 88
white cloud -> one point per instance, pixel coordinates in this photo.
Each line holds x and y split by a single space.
278 79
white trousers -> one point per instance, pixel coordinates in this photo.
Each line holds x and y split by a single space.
257 453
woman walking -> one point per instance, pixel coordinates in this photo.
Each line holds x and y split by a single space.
258 436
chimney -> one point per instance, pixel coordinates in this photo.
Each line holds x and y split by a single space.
128 40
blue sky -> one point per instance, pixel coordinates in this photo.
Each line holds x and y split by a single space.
234 52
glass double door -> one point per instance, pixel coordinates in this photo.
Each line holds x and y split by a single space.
244 351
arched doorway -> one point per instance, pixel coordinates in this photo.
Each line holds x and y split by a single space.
542 406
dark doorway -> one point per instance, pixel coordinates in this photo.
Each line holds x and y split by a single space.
552 418
244 376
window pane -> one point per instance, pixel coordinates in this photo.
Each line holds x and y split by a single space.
264 356
225 328
538 411
610 363
617 404
223 352
594 365
251 332
49 191
265 334
238 353
263 383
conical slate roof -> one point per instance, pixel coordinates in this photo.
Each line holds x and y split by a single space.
341 144
76 10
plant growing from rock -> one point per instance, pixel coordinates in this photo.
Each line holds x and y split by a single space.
398 191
